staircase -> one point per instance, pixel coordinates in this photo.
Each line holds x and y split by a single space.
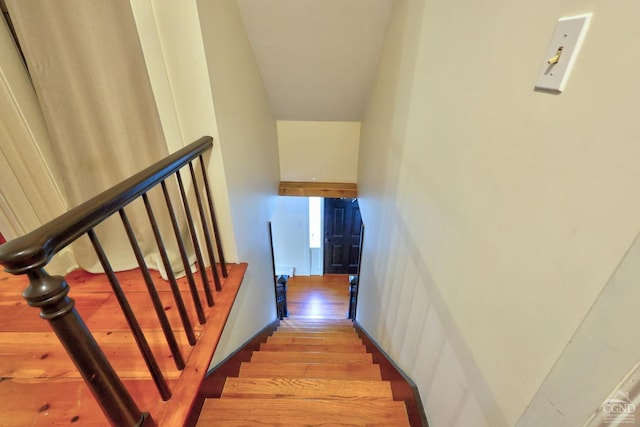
308 372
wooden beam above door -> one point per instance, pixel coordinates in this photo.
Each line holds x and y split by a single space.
318 189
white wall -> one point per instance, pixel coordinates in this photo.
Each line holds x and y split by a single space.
290 226
602 352
318 151
495 214
173 49
248 137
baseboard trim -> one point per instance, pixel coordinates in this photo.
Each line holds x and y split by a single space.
402 386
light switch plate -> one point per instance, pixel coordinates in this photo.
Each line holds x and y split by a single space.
566 41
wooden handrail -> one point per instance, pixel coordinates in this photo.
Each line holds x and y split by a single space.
36 249
30 253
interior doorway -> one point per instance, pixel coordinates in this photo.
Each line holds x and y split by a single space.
315 236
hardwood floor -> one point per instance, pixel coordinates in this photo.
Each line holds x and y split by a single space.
318 297
39 384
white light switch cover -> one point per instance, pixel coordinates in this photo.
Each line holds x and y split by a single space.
569 34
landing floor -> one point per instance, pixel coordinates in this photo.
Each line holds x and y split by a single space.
38 382
318 297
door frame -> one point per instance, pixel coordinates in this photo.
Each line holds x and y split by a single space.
352 310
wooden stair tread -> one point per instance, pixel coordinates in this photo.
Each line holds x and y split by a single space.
307 321
306 357
285 323
302 412
355 371
277 339
306 388
315 348
316 327
308 372
329 326
314 331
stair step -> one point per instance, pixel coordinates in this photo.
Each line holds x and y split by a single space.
313 323
306 357
315 326
308 372
316 330
353 371
327 348
306 388
278 339
302 412
316 322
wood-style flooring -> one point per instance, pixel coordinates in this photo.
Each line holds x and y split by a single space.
39 384
318 297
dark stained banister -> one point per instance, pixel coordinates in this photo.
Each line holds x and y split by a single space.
36 249
29 255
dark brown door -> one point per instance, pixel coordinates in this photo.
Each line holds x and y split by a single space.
342 227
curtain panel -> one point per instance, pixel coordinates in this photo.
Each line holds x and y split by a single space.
86 63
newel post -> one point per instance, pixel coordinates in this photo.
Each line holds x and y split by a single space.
49 293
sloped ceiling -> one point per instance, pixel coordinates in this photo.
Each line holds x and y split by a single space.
317 58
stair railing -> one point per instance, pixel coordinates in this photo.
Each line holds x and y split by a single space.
30 254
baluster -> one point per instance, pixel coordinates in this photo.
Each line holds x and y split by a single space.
136 330
175 290
205 230
183 254
153 293
49 293
194 240
214 222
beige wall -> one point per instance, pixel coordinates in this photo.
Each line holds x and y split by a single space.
197 57
318 151
601 353
248 136
173 48
495 214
